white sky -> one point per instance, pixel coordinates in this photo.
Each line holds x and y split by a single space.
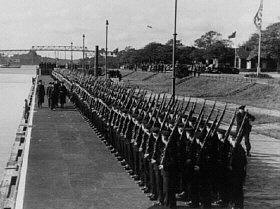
58 22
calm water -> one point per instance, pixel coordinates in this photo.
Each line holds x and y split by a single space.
15 84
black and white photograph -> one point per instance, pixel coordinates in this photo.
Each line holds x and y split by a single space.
140 104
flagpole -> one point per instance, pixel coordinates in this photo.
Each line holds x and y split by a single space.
259 53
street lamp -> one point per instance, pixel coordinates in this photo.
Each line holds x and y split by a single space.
106 48
174 51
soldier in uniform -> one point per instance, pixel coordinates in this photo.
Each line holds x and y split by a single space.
247 127
49 94
156 161
170 167
150 146
185 157
237 167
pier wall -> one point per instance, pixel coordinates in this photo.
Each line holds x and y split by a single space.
9 186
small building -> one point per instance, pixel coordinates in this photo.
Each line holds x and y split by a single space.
249 61
241 58
267 63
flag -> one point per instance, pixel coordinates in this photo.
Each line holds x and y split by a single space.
107 22
233 35
258 17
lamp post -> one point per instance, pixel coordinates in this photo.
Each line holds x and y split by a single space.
106 48
83 64
174 51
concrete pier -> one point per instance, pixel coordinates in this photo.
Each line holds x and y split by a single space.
69 167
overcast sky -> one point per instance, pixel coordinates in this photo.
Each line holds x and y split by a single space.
58 22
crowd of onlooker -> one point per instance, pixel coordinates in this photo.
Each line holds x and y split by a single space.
152 67
161 67
155 67
56 93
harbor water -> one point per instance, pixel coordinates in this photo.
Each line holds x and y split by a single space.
15 84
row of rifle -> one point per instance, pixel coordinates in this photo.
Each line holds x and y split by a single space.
165 146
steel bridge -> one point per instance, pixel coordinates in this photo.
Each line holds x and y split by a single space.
49 48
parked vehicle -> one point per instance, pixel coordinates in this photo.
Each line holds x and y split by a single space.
225 70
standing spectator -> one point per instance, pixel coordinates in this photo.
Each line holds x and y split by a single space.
40 93
62 94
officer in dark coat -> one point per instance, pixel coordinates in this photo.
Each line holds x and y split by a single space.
62 94
49 94
40 93
56 93
247 127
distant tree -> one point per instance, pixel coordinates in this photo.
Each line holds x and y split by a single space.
207 40
178 43
211 46
184 54
198 55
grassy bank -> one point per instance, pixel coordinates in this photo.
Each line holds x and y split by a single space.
230 90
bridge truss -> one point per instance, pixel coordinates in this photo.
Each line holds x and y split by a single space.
85 50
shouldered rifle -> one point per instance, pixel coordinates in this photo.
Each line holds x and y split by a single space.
147 102
230 126
154 110
170 103
170 140
210 131
210 114
201 112
188 118
198 124
165 117
186 107
238 137
129 97
175 111
182 105
220 120
150 106
194 105
161 105
140 99
202 144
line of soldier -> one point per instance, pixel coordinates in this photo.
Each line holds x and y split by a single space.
171 152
